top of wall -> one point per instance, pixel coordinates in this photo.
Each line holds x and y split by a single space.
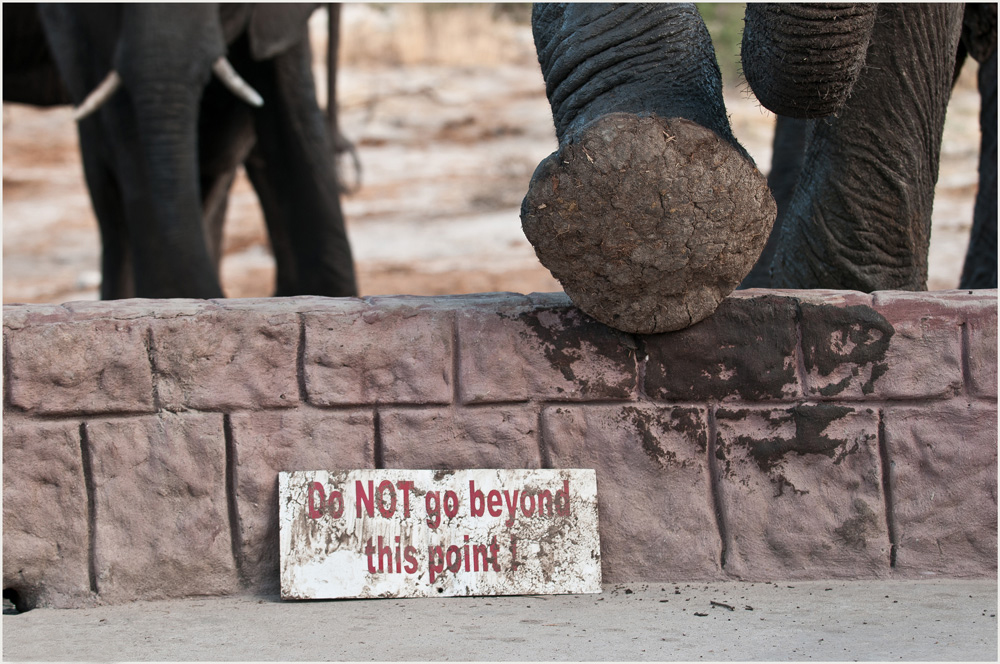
136 356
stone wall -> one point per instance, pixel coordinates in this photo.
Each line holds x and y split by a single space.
792 435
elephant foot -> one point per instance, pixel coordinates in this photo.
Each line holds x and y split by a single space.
647 222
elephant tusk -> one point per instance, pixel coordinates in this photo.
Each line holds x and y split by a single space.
224 70
100 95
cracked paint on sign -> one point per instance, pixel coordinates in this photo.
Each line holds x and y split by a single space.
434 533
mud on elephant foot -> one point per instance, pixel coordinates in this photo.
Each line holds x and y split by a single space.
647 222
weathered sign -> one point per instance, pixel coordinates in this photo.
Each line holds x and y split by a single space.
427 533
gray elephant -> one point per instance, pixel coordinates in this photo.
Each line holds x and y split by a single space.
651 212
878 156
171 100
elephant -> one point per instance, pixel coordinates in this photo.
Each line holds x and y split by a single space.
911 142
650 212
171 99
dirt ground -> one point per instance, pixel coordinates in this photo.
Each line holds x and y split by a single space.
449 116
871 620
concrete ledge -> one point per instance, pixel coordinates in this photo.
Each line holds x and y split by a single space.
792 435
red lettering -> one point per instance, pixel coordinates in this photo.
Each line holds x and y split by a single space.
454 562
530 509
383 510
410 554
511 507
316 487
513 554
405 486
368 500
562 499
485 557
545 503
493 500
479 553
478 500
432 501
370 551
384 554
336 509
435 567
495 559
450 504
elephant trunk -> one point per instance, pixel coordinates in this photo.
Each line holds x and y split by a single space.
860 214
802 60
172 239
164 80
650 212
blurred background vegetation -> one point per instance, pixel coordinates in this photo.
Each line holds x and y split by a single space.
453 34
725 24
480 33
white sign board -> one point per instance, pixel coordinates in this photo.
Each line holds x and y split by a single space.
437 533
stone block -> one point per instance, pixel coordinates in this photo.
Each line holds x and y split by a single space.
45 519
951 303
924 353
267 443
745 351
553 300
654 496
460 438
99 366
139 308
293 305
398 352
943 485
162 525
19 316
224 360
845 344
521 350
800 492
981 352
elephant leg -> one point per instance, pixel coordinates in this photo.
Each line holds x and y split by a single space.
980 269
74 55
650 212
277 224
29 72
341 144
105 196
789 147
225 131
292 172
860 215
215 202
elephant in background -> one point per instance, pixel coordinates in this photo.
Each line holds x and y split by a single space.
651 212
171 99
856 178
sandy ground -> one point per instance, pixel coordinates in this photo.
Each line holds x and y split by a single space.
447 144
943 620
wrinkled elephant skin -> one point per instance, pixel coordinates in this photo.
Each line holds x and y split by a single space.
648 225
650 212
